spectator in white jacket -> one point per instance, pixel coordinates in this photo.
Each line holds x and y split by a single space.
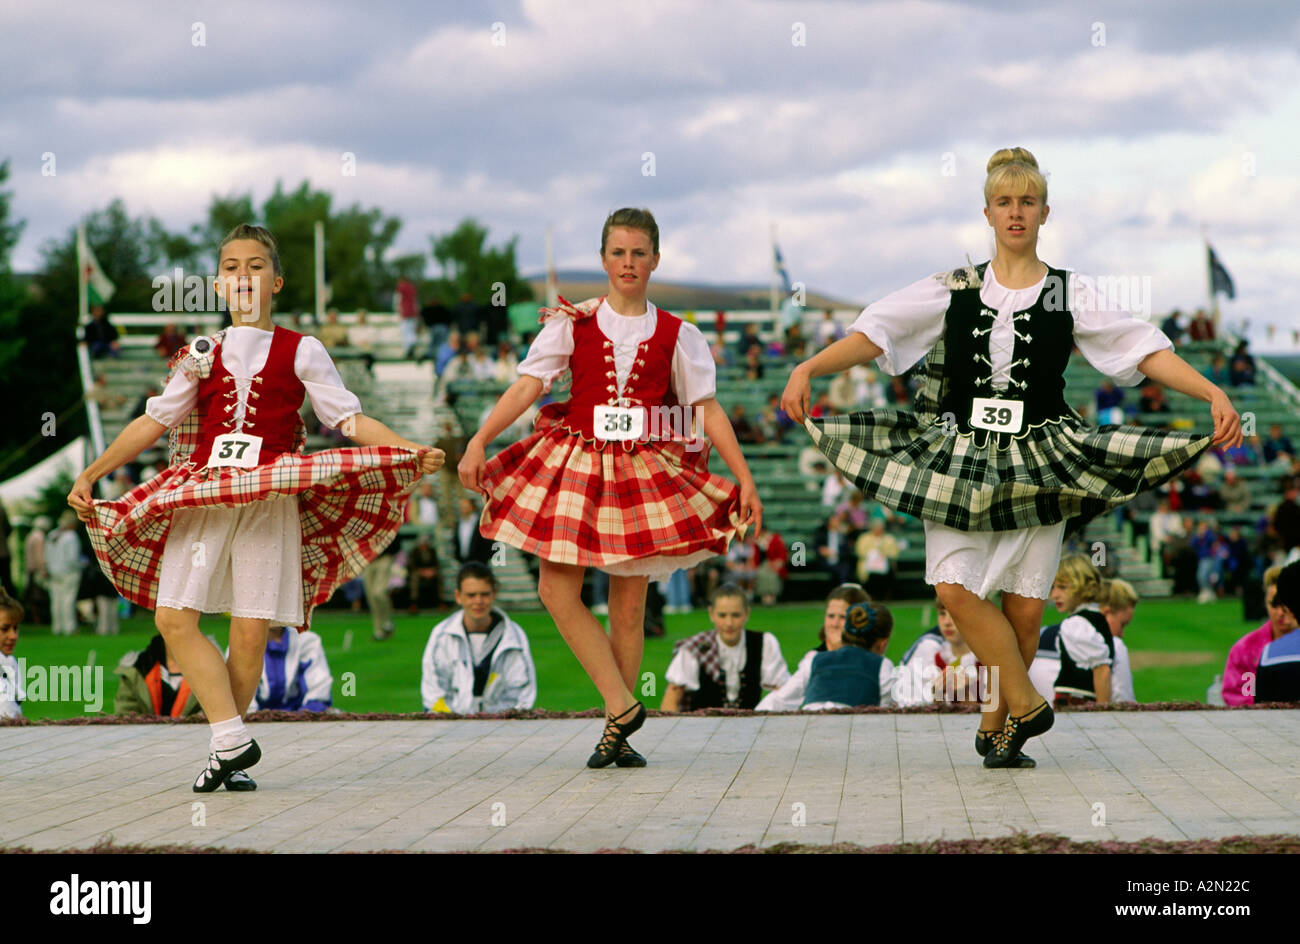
295 674
477 660
63 562
939 667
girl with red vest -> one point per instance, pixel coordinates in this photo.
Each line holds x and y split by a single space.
241 521
613 477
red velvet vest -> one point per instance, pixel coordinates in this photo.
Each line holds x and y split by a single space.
649 383
273 402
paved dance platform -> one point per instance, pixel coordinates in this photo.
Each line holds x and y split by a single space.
712 783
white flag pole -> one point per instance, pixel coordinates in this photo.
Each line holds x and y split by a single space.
320 272
83 350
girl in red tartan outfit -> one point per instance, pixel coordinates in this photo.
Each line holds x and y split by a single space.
244 522
577 495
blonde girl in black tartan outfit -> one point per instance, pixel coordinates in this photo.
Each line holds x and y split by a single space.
993 461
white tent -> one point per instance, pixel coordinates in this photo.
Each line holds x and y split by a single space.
26 486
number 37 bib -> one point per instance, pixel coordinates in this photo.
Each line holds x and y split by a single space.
237 450
999 416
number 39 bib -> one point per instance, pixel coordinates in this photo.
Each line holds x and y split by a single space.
618 423
999 416
238 450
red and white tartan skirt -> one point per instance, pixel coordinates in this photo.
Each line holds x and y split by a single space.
647 510
351 503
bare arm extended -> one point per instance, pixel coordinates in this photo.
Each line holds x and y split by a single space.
857 348
1168 368
509 408
716 425
141 433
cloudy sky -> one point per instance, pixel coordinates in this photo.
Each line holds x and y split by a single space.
860 130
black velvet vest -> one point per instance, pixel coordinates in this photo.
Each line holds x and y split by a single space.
713 694
1044 338
1071 676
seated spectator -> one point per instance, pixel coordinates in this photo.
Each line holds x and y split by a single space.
1240 672
721 356
1278 448
1211 555
1241 368
843 392
424 506
1245 454
790 695
728 666
150 683
854 510
468 542
832 489
170 340
331 333
856 675
458 368
770 429
796 346
1172 326
505 368
1284 519
745 432
477 660
11 680
813 462
748 339
1201 328
834 544
449 349
753 364
1237 565
1083 643
773 567
1279 663
422 575
821 407
362 335
939 667
1152 399
868 392
1118 602
1217 373
877 554
295 674
100 334
481 365
828 329
103 396
1110 404
742 562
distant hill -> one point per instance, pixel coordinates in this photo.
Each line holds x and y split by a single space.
576 285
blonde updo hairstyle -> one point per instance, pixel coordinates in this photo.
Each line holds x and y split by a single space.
1016 170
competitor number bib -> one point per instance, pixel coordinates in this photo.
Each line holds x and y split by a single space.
238 450
999 416
618 423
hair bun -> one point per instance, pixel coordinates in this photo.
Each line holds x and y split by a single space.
1016 155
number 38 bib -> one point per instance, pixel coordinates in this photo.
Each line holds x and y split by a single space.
237 450
618 423
999 416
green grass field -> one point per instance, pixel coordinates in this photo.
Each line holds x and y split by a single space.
1177 647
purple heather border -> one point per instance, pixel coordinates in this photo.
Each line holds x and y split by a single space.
1018 843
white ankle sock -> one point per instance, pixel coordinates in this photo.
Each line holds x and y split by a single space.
227 735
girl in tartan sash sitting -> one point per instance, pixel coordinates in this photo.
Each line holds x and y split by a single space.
241 521
616 476
993 459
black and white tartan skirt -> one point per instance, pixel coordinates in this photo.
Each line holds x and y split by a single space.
981 481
